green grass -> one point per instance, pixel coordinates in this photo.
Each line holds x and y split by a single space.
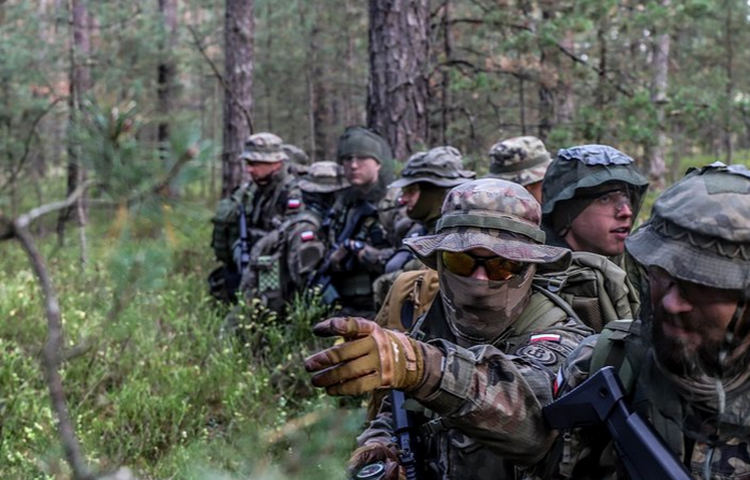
157 388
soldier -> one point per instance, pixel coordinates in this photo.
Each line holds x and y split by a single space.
305 240
521 160
299 162
424 182
359 242
591 195
482 359
685 362
272 195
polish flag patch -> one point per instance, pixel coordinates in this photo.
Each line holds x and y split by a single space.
559 381
294 203
545 337
307 235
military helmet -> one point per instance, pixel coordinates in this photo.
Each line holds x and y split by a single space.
296 155
699 230
363 142
264 147
494 214
522 160
323 177
586 167
441 166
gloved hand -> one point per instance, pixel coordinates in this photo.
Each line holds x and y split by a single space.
370 358
377 452
339 257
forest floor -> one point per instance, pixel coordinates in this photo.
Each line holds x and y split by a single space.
150 382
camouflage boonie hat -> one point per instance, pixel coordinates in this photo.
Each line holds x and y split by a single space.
263 147
363 142
441 166
295 154
323 177
521 160
699 230
589 166
494 214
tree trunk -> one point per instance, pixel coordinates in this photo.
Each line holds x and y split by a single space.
238 68
729 89
446 80
167 69
397 91
656 160
547 80
80 84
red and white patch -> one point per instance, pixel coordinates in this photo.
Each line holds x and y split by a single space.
294 203
307 235
559 380
545 337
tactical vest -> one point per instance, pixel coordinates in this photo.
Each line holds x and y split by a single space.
438 436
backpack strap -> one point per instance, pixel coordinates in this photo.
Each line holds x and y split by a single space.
611 351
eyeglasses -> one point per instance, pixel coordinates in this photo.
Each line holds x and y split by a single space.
359 160
497 268
615 198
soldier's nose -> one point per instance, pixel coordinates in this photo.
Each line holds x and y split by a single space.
480 273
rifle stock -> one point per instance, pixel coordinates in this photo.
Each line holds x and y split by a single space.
601 399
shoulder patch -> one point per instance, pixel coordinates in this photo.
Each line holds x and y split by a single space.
307 235
541 355
294 203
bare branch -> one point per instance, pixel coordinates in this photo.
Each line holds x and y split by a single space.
222 80
51 351
24 220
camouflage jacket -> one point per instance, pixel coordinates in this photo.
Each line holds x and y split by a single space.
355 281
265 209
305 246
684 425
484 414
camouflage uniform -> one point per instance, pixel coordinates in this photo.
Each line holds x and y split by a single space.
521 160
480 391
355 209
265 206
305 239
698 233
435 171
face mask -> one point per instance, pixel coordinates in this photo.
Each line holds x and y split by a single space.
429 203
480 311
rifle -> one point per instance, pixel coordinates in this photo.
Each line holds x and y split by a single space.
322 277
402 428
244 243
601 399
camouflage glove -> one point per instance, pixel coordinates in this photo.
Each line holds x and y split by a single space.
370 358
377 452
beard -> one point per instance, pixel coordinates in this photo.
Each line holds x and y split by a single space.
682 357
723 357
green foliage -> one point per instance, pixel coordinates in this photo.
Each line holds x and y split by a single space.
152 383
